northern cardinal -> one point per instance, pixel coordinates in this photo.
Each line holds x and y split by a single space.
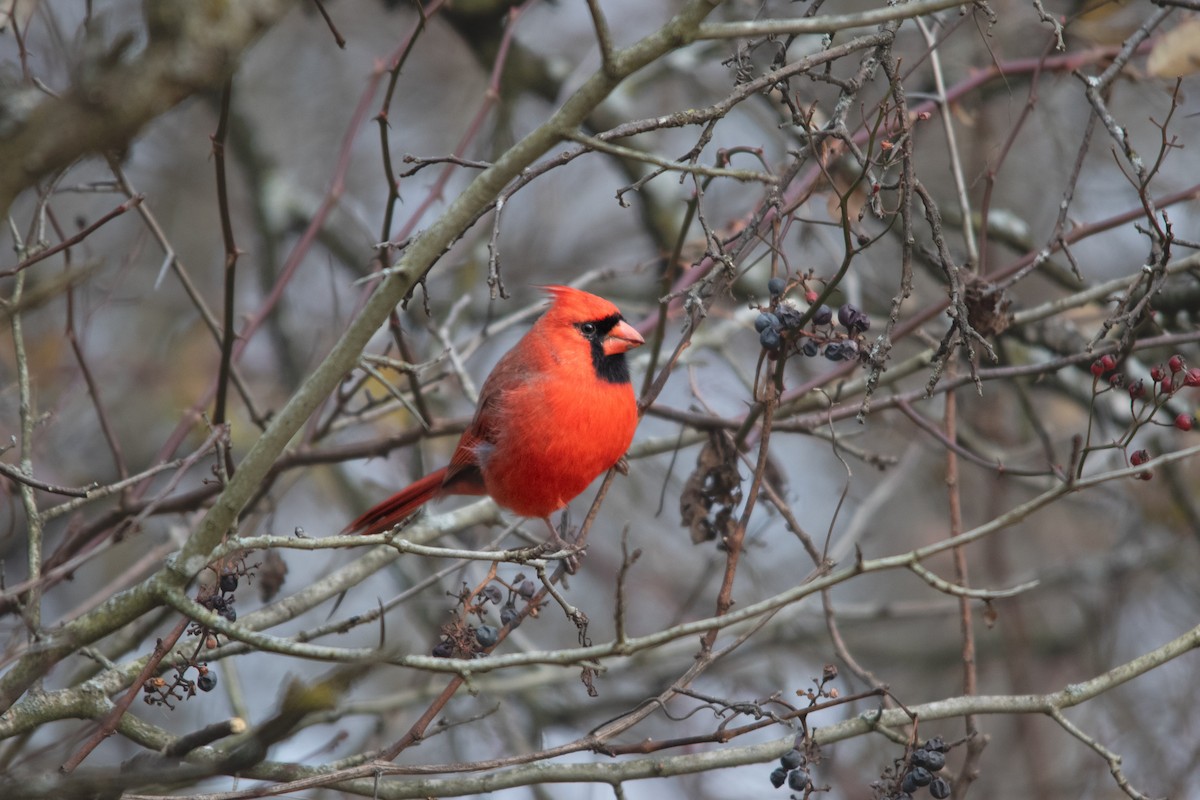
557 410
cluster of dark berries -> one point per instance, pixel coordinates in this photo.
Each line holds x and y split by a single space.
853 319
926 760
222 604
793 771
841 351
160 691
220 598
780 331
467 640
521 587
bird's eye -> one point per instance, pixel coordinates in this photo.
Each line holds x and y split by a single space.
588 329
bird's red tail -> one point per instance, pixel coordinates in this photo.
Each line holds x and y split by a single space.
404 502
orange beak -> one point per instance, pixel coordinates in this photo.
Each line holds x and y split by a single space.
621 338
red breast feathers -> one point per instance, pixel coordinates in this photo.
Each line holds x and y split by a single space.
558 409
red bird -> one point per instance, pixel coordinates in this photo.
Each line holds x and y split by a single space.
557 410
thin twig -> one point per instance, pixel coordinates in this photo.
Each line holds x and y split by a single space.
132 202
17 475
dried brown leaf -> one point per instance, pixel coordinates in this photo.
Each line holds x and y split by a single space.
1177 53
713 491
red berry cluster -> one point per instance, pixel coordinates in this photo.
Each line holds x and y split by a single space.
1170 380
1166 380
1103 365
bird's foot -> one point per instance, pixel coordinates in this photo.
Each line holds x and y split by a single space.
555 550
570 554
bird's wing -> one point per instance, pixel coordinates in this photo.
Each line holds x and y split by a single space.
464 475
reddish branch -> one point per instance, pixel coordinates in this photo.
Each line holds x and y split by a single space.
66 244
110 722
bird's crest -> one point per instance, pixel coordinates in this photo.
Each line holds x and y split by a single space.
577 305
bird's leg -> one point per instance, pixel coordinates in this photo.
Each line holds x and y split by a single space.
557 542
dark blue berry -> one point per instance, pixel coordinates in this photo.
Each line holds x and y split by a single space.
940 788
789 317
823 316
920 776
778 776
810 348
798 780
765 320
229 582
833 351
846 315
526 589
510 616
492 592
791 759
443 649
853 319
934 761
937 744
776 286
770 339
206 682
230 613
486 635
908 784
